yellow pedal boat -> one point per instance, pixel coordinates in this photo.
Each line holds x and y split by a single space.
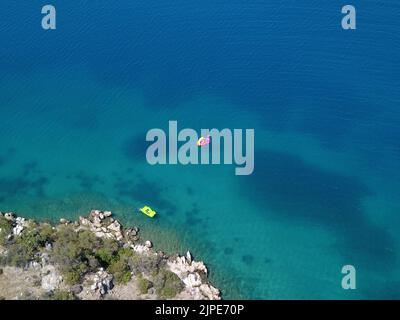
148 211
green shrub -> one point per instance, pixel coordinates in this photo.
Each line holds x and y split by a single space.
19 255
87 241
46 232
32 238
119 266
79 252
107 252
23 248
66 251
71 247
92 262
125 253
120 270
167 292
61 295
5 224
167 284
145 263
5 229
143 284
74 252
72 277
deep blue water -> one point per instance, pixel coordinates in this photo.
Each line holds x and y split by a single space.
76 103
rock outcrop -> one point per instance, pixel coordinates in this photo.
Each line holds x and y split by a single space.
102 282
18 223
190 272
51 278
103 226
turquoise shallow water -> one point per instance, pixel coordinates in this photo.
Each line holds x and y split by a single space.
76 105
259 234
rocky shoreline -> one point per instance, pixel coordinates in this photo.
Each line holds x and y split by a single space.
92 258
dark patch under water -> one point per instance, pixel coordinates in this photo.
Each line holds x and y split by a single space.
11 187
147 192
248 259
192 217
135 147
294 189
189 191
87 182
228 251
30 167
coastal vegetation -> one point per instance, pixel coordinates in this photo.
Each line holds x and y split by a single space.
5 229
143 284
167 284
96 254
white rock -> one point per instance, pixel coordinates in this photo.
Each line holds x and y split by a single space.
115 226
189 272
148 244
107 214
52 280
100 234
210 292
108 236
83 221
131 232
45 259
34 265
95 213
103 282
192 280
9 216
97 221
140 248
188 257
20 220
18 229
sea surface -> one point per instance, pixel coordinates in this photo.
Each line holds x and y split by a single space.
76 104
